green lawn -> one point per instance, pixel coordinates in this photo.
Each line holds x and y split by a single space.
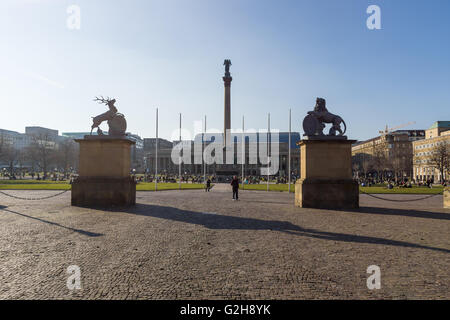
272 187
396 190
34 186
29 181
378 189
150 186
64 185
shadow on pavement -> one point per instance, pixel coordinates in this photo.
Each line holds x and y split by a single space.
86 233
218 221
403 212
264 201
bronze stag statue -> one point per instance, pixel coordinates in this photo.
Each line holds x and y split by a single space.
314 122
116 121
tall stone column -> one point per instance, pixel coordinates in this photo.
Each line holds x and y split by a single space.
227 101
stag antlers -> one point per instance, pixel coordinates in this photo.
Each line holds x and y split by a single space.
106 101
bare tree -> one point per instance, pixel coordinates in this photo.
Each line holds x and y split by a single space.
2 146
1 143
407 163
42 151
10 155
440 158
361 164
355 170
66 155
380 161
366 164
400 163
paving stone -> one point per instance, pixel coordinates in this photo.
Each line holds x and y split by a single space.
191 244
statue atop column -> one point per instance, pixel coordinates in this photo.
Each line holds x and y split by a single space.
116 121
314 122
227 64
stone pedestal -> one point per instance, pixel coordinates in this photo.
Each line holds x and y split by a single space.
326 175
104 173
447 197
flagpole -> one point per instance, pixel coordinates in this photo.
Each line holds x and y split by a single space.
179 162
268 137
243 152
289 153
156 153
203 153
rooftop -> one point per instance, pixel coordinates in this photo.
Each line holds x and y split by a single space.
396 132
440 124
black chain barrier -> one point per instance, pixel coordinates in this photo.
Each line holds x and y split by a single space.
369 194
41 198
397 200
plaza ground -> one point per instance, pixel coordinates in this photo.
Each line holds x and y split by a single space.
191 244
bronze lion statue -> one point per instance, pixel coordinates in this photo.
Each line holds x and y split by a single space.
314 122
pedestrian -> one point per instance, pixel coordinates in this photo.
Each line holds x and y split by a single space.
235 185
208 185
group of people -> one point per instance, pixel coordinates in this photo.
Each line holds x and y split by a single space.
54 176
403 183
175 178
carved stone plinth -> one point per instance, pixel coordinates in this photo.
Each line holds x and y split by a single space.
104 173
326 175
447 197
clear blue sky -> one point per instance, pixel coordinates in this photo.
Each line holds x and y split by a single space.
170 53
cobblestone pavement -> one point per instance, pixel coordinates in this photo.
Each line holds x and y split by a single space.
191 244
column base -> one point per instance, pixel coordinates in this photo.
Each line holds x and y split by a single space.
327 193
101 192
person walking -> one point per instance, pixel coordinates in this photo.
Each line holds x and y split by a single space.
235 185
208 185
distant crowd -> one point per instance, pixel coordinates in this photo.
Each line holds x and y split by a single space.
401 183
213 178
53 176
186 178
